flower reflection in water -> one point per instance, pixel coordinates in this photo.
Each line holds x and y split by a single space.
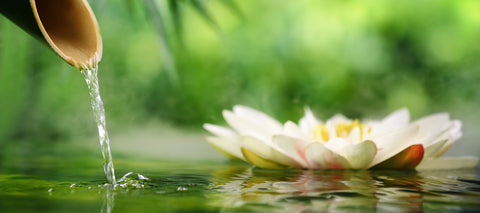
256 189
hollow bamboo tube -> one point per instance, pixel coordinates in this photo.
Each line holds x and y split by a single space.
69 27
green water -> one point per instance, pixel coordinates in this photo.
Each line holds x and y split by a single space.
66 178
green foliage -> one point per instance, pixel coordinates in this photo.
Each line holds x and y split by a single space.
356 57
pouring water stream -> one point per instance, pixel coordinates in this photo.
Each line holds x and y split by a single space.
90 75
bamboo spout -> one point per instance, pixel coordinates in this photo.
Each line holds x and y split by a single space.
69 27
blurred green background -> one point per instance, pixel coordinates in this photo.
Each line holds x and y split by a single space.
360 58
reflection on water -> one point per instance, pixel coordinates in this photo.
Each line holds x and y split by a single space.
205 186
108 202
302 190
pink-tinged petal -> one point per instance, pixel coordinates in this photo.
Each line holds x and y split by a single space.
319 157
293 147
359 155
308 122
257 117
259 161
220 130
466 162
406 159
245 126
267 152
291 129
227 145
393 142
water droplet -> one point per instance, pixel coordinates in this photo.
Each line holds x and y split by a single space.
180 189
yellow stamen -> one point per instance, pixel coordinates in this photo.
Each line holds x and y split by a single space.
325 135
320 131
362 127
341 130
344 129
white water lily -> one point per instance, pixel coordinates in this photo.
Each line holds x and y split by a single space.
339 143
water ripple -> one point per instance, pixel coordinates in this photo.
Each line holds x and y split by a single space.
302 190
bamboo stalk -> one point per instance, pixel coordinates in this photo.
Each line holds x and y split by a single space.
68 27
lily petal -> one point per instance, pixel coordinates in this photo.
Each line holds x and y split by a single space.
355 134
260 162
267 152
291 129
319 157
433 123
406 159
394 120
392 143
454 134
465 162
431 127
228 146
247 127
308 122
220 130
434 148
257 117
359 155
337 144
337 118
293 147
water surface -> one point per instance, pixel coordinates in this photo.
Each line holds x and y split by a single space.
56 181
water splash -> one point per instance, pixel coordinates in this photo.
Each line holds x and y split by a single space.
133 180
90 75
